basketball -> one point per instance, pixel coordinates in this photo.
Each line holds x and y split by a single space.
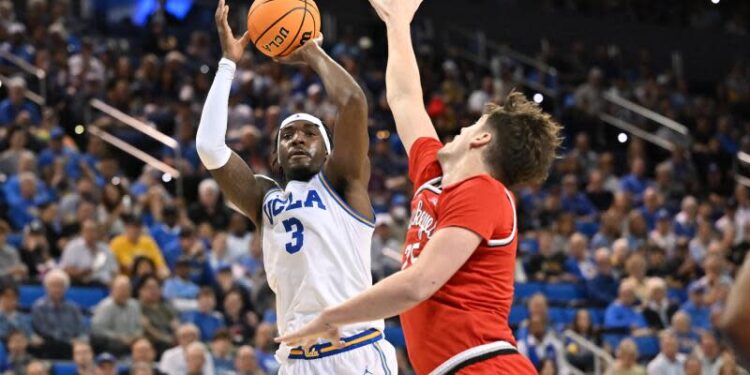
278 27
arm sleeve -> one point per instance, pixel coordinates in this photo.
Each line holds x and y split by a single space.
423 162
212 149
475 205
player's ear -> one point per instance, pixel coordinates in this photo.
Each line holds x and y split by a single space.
481 139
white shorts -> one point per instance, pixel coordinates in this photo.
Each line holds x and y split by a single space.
378 358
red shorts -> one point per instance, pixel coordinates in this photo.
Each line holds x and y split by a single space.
515 364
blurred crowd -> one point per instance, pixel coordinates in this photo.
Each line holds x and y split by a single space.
186 291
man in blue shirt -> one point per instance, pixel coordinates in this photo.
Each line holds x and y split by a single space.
695 306
16 103
602 288
207 319
635 183
24 208
166 232
57 320
574 201
622 318
193 251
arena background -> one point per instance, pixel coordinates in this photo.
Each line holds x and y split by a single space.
638 231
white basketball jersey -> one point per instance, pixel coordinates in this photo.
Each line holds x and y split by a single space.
316 252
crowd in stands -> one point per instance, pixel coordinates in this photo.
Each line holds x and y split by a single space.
651 238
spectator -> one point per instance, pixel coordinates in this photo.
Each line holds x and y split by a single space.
175 361
106 364
179 289
239 236
609 231
16 104
190 248
596 192
246 363
209 208
10 263
55 319
663 236
636 269
12 163
687 338
133 243
696 306
637 234
709 354
578 266
651 206
636 183
226 283
117 319
602 288
166 230
36 367
87 260
18 357
578 356
11 319
685 223
700 243
142 267
548 264
83 357
693 366
669 361
541 343
622 317
573 201
239 319
658 310
195 358
588 96
35 250
159 318
221 351
207 319
383 247
142 354
265 348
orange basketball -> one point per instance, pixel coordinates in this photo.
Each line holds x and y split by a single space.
278 27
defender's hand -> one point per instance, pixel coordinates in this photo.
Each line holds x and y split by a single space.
303 54
231 47
401 11
310 333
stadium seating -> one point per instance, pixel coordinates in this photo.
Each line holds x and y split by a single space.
564 293
648 347
85 297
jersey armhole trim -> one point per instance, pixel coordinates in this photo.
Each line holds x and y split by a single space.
509 239
336 197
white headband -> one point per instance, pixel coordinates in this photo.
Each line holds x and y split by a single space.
309 118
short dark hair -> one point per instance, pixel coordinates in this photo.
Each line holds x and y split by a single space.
221 334
131 219
526 140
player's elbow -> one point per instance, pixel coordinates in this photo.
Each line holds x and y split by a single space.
421 289
398 98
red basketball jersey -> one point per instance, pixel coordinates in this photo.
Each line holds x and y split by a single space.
472 308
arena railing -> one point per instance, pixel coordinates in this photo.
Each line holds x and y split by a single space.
34 97
31 70
476 47
602 359
637 120
147 130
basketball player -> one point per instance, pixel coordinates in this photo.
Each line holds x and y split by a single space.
455 289
736 317
317 228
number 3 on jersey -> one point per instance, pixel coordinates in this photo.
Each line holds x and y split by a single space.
295 227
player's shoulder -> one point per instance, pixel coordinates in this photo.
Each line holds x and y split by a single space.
267 185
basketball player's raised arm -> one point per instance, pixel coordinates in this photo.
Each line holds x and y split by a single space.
403 86
234 176
445 253
736 316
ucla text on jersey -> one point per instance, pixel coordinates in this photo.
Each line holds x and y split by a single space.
275 206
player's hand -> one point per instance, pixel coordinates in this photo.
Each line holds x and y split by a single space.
401 11
303 54
231 47
310 333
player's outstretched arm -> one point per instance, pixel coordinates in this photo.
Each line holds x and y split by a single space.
233 175
348 166
402 83
445 253
736 316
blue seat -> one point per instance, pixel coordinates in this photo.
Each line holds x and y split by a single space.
564 292
86 297
517 314
525 290
395 335
27 294
528 246
597 316
64 368
648 347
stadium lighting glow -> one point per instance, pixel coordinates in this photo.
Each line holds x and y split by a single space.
79 129
715 1
538 98
166 177
1 83
622 137
204 69
115 180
